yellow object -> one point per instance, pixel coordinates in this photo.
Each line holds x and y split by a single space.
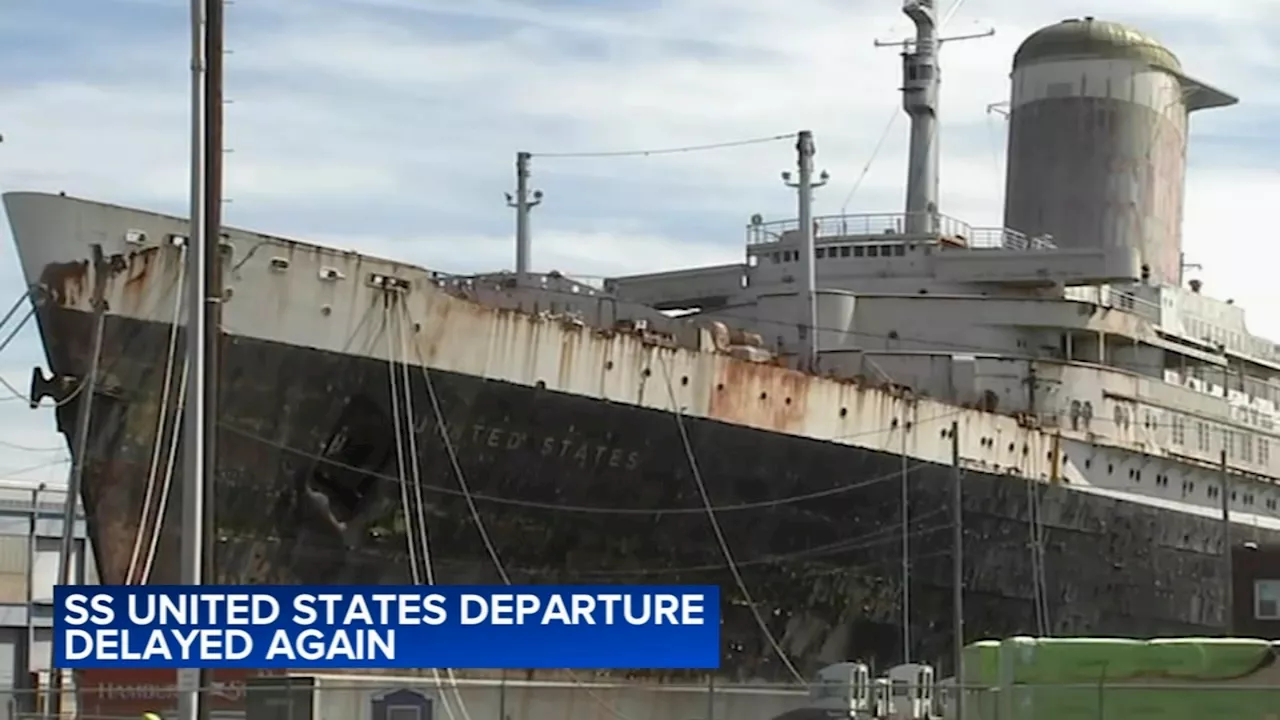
151 716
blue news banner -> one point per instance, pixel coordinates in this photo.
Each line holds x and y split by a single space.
442 626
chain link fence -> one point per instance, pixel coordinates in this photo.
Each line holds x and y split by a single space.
373 697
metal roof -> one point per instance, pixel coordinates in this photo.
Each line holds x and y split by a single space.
1090 38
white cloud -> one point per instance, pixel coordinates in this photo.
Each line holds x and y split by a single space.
391 125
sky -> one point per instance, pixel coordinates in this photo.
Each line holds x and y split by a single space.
391 126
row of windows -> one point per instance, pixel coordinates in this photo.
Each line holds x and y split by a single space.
1260 389
1214 492
1240 445
1213 333
1253 416
843 251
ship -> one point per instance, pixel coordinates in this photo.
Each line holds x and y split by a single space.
797 433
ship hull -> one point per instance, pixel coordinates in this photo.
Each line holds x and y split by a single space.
577 489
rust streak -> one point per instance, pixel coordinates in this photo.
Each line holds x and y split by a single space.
136 268
67 283
761 396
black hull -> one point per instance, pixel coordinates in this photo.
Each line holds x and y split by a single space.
572 489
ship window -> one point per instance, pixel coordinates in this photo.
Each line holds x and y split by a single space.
1202 436
820 253
1246 448
1266 599
899 250
1179 430
859 251
873 250
1264 452
844 251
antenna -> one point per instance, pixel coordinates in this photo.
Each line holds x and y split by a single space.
920 83
524 201
999 108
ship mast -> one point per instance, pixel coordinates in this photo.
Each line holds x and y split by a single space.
524 201
804 186
204 318
921 83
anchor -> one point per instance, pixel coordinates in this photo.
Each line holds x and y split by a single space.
56 386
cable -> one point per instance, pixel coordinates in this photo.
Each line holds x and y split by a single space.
442 426
162 417
421 531
172 455
884 135
401 465
14 333
668 151
1034 547
14 308
28 448
719 532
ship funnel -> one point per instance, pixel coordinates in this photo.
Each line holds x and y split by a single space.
1106 107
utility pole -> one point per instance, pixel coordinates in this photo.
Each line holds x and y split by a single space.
1228 571
957 570
27 702
204 320
523 202
80 452
920 91
804 186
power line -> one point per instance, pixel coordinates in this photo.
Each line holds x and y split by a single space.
893 120
668 151
721 540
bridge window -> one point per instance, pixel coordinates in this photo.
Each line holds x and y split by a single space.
1179 430
1266 599
873 250
859 251
1264 451
899 250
